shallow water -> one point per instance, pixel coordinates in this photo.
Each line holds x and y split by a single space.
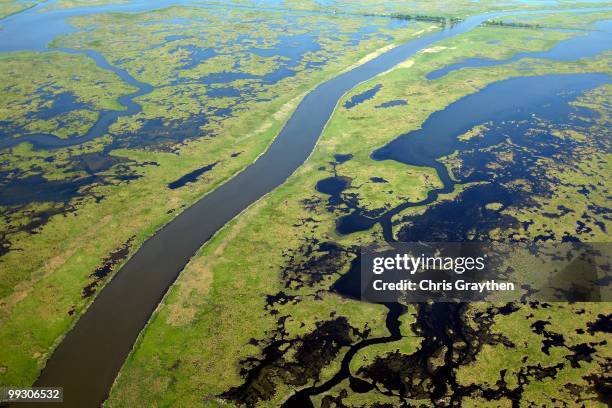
21 32
586 44
515 105
113 321
104 335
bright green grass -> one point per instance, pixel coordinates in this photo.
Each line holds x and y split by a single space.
192 344
34 80
43 281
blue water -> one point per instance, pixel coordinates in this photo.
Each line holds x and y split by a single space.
100 128
515 99
362 97
589 44
23 31
33 29
142 281
390 104
60 103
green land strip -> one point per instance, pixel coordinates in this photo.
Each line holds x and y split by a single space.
424 8
215 315
38 79
46 273
10 7
67 4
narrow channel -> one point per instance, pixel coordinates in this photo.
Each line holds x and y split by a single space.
106 119
87 361
516 99
512 100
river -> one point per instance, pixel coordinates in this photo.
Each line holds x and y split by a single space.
87 361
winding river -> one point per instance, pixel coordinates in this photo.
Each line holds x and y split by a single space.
87 361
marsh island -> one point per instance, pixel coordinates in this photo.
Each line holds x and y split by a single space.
186 186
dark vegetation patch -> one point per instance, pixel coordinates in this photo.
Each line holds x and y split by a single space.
313 352
108 264
5 244
428 18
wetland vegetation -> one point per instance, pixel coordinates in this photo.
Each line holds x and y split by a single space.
131 116
220 96
288 257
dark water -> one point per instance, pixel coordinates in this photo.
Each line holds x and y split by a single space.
36 188
390 104
191 177
590 43
513 99
61 103
106 119
513 104
104 335
302 398
362 97
87 360
333 186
